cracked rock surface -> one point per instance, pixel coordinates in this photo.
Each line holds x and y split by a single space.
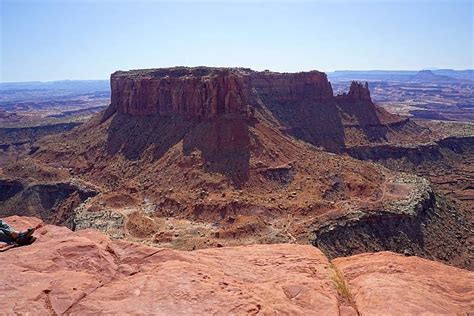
84 272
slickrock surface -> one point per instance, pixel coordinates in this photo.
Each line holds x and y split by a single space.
387 283
84 272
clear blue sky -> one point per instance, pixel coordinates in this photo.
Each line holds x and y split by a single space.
53 40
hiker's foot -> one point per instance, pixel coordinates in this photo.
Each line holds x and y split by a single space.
25 238
14 234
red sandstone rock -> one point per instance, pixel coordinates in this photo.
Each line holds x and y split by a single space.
83 272
207 92
190 92
303 103
357 92
310 86
386 283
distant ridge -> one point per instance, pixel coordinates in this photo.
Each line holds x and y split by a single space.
56 85
467 74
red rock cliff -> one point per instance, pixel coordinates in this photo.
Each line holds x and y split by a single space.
357 106
191 92
207 92
312 85
357 92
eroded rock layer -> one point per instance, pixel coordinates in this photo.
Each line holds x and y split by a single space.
302 103
207 92
202 157
192 92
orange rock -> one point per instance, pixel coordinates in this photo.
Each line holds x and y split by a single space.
84 272
386 283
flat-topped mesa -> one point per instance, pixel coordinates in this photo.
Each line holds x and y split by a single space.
358 92
310 85
209 92
190 92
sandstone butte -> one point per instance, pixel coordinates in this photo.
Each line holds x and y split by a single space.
207 92
84 272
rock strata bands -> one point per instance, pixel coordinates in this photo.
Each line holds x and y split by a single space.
208 92
302 104
181 91
415 225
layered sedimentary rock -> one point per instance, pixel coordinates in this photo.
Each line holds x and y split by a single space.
207 92
193 92
310 86
303 103
365 123
83 272
357 92
358 105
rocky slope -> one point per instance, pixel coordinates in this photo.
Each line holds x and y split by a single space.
447 162
83 272
16 142
53 201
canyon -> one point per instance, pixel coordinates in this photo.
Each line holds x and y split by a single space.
193 158
206 169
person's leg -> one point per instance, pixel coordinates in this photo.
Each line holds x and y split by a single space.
7 230
9 235
5 237
5 226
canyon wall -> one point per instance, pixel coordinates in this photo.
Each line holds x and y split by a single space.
303 104
310 86
207 92
191 92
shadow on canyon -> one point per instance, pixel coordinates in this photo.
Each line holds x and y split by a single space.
223 142
315 123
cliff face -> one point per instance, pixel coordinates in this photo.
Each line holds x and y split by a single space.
302 104
357 92
310 86
358 106
208 92
191 92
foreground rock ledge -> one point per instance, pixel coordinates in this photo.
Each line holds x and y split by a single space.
84 272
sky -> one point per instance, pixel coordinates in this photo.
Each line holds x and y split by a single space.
43 40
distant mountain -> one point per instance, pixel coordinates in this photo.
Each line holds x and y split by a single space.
370 75
398 75
430 76
458 74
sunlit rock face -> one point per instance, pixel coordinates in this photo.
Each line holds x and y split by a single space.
208 92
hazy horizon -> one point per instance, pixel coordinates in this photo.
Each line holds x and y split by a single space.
327 72
87 40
